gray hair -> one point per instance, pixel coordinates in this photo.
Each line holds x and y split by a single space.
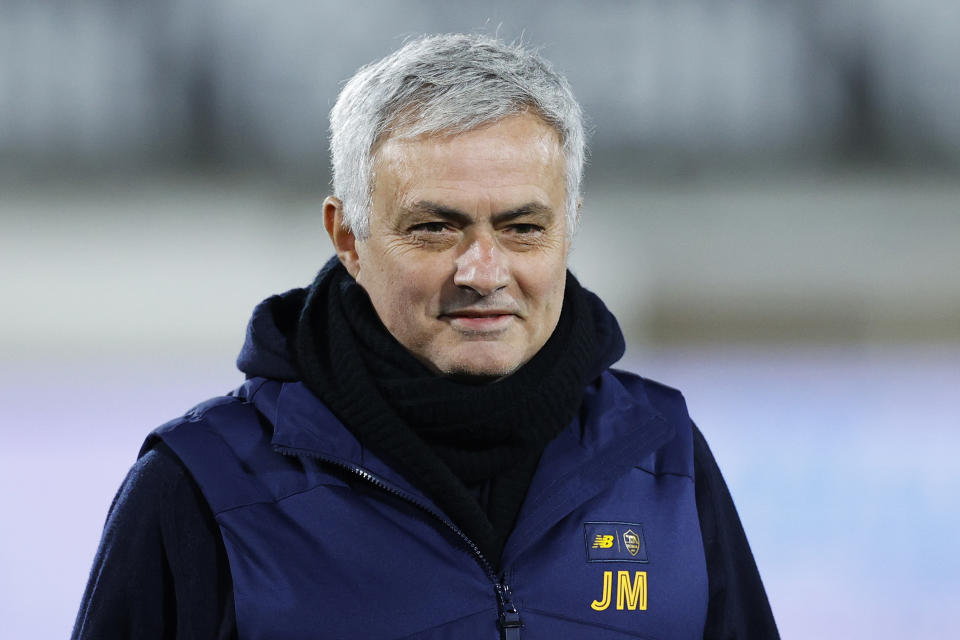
445 85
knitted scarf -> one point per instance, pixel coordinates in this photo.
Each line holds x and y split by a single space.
472 448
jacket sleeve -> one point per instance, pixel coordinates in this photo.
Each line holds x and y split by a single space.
738 606
161 572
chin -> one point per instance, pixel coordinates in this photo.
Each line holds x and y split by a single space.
481 367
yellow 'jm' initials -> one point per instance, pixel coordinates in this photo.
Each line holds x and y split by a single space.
631 594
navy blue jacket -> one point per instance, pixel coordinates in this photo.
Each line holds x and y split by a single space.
627 531
326 541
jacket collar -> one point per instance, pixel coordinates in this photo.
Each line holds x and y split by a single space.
617 429
303 424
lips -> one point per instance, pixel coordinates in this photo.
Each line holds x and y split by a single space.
485 320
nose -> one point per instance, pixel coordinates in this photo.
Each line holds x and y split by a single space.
482 267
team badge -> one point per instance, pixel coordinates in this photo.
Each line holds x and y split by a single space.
615 542
631 541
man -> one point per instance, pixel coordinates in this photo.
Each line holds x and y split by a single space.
430 442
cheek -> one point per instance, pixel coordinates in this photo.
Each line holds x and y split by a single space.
553 299
406 294
548 283
386 275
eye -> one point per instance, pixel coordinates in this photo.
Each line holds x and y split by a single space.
525 228
429 227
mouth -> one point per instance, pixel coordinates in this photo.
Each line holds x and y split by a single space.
480 321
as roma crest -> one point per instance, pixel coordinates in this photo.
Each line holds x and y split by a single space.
631 541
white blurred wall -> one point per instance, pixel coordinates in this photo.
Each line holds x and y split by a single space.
106 83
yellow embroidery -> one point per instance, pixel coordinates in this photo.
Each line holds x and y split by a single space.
602 542
631 594
600 605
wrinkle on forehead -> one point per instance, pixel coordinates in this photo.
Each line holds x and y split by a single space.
546 145
479 159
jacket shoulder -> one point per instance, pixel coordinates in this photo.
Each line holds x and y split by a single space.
666 400
234 403
220 442
668 404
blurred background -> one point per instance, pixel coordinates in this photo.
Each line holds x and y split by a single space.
772 209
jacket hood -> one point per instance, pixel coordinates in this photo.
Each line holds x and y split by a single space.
270 344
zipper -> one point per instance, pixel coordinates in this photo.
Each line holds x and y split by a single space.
509 618
510 623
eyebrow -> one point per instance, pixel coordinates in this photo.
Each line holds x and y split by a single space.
460 217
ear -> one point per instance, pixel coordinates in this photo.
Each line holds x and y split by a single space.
344 242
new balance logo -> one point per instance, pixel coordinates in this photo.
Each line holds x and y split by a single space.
603 542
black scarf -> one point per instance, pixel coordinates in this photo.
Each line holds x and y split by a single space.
472 448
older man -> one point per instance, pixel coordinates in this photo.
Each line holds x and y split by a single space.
430 442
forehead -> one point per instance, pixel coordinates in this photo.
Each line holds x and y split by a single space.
517 157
